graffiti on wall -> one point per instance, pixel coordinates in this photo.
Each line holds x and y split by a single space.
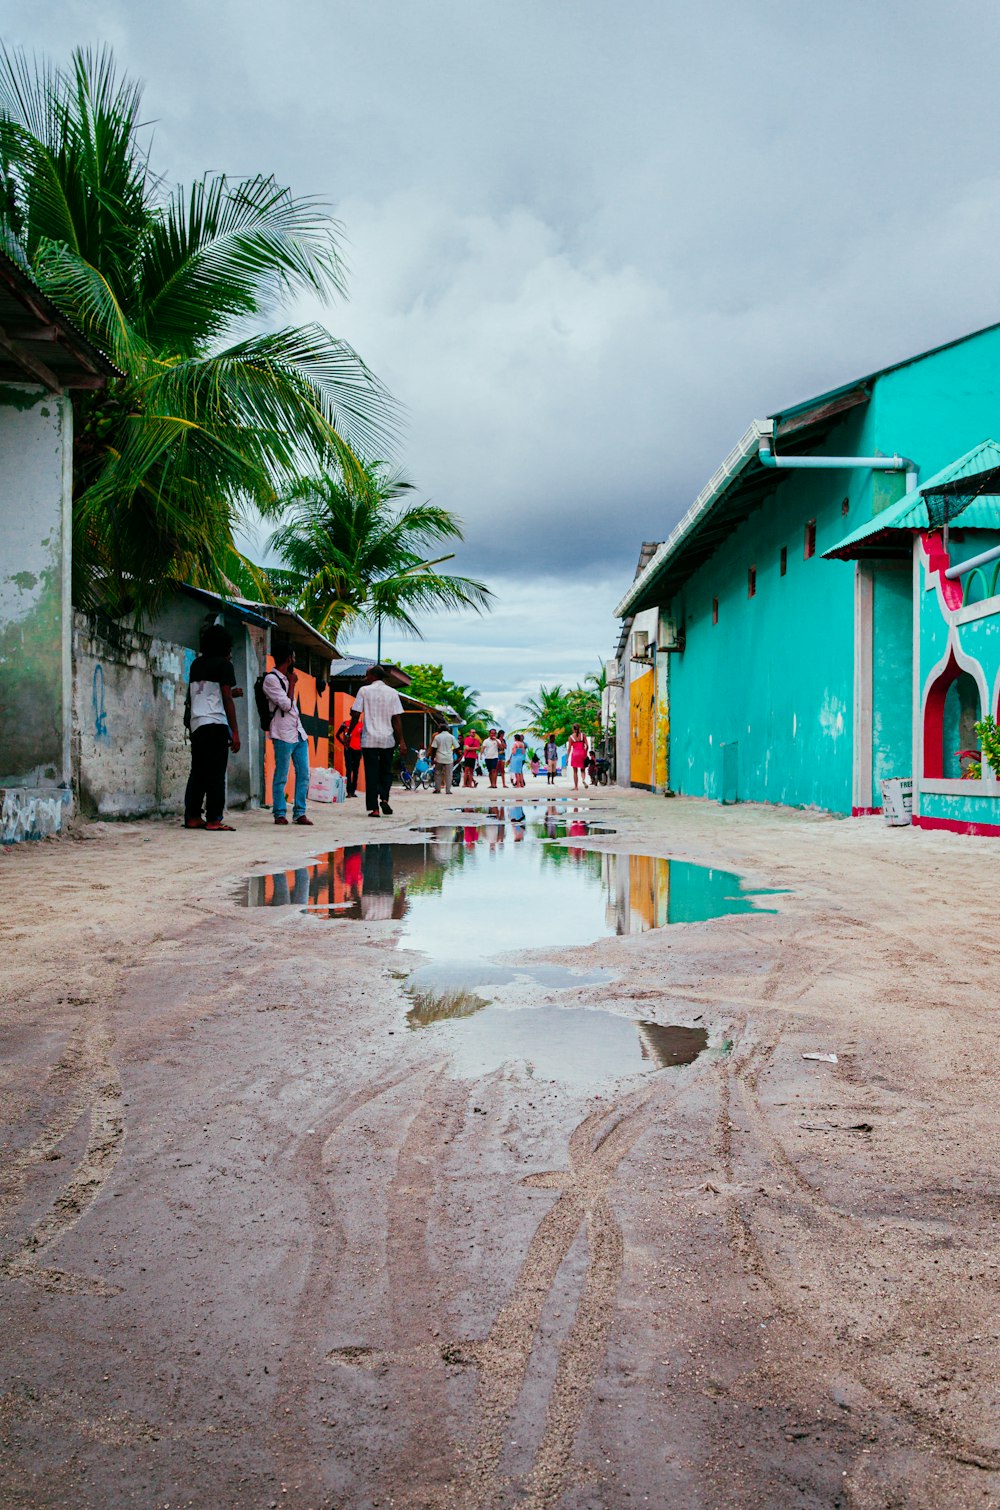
97 701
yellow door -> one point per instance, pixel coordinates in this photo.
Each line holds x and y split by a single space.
642 694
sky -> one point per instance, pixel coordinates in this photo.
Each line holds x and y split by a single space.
588 243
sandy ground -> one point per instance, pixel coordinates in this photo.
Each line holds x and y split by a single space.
260 1249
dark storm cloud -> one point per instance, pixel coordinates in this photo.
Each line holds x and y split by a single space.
589 242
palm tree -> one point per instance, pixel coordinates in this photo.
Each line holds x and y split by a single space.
548 712
214 414
354 548
598 679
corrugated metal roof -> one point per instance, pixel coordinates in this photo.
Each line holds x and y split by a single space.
781 417
743 456
41 344
803 424
910 512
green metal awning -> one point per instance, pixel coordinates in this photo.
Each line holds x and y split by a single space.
970 508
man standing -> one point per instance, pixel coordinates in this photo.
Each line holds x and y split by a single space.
443 747
288 738
379 705
351 741
211 690
491 754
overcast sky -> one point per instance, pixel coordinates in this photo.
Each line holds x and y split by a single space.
590 242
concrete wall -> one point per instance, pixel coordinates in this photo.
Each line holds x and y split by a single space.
131 753
36 436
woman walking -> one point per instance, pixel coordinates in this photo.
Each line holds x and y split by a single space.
578 756
518 755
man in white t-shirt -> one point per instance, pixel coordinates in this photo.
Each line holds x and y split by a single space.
381 732
490 754
443 747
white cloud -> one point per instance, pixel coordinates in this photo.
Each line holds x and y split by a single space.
588 244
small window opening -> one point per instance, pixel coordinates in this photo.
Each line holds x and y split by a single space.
845 508
752 582
810 545
784 560
715 610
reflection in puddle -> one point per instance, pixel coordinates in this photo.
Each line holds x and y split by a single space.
575 1045
473 906
486 897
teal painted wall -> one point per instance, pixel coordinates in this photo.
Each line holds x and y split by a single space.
776 674
892 674
935 409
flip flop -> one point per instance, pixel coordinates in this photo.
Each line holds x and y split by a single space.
220 828
194 823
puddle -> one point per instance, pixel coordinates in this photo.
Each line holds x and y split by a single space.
470 907
486 897
577 1046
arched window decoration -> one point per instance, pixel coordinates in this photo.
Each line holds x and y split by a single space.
950 716
981 583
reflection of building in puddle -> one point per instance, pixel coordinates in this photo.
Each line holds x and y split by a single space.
649 891
365 881
666 1045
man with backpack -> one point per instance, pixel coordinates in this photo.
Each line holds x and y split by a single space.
289 740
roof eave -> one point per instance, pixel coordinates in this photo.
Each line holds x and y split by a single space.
735 463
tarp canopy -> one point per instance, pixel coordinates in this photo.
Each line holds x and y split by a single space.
964 492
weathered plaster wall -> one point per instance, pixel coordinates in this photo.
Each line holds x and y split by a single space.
131 754
132 758
36 433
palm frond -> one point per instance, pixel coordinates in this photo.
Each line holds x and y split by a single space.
223 249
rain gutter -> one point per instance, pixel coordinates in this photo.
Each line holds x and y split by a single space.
973 561
767 458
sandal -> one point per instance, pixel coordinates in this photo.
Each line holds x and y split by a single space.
220 828
194 823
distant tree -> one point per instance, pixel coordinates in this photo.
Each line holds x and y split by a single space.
354 552
556 709
430 685
549 713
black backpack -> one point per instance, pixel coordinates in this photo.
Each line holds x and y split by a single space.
265 708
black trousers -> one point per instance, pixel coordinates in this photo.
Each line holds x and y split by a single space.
207 781
352 765
378 776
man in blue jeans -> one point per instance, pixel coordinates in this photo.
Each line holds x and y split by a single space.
288 738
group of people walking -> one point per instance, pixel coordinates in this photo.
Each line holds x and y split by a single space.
369 738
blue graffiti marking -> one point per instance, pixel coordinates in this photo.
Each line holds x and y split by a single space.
97 698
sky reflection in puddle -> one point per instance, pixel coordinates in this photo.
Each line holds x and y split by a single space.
471 907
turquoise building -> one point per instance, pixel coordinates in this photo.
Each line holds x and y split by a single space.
816 643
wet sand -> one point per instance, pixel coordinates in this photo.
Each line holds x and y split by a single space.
261 1247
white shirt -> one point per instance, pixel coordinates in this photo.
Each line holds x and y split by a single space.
490 750
285 722
379 703
444 746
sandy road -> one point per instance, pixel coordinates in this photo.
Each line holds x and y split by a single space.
260 1248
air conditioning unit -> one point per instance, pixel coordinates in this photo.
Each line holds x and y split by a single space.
668 637
612 673
640 645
